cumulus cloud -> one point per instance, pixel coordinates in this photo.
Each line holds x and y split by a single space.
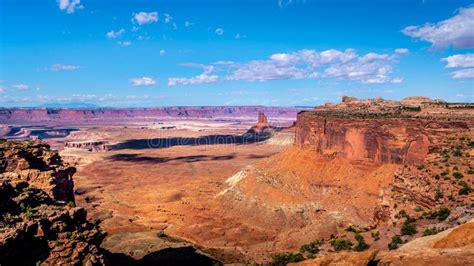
205 78
124 43
456 32
463 61
467 73
306 64
145 18
115 34
21 87
459 60
219 31
143 81
61 67
70 5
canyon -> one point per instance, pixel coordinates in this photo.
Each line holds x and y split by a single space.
266 184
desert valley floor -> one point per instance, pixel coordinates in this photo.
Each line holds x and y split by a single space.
138 192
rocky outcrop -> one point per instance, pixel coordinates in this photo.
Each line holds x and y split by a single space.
36 164
39 221
375 138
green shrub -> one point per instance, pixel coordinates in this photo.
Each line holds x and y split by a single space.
282 259
457 152
458 175
341 244
361 244
466 189
431 231
396 240
470 172
351 228
71 204
401 214
312 247
29 214
375 235
438 195
443 213
408 228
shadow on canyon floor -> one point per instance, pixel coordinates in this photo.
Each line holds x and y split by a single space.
164 257
187 159
157 143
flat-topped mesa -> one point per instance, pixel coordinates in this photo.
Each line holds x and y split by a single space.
377 130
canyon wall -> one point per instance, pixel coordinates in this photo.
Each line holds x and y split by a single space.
375 140
35 115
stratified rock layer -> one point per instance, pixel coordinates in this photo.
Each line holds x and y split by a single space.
36 223
36 164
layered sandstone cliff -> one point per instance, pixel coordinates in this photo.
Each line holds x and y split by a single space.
379 131
39 222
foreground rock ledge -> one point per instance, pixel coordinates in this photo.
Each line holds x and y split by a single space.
451 247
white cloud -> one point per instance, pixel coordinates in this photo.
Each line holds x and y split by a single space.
219 31
285 3
237 36
199 79
115 34
402 51
70 5
60 67
162 52
304 64
124 43
463 61
456 32
145 18
2 90
188 24
332 55
460 60
21 87
205 78
143 81
467 73
267 70
168 18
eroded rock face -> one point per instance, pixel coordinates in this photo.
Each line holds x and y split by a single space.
375 140
36 164
37 225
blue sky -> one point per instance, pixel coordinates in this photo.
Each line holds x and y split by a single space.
276 52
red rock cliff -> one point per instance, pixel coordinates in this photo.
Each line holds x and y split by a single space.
375 140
